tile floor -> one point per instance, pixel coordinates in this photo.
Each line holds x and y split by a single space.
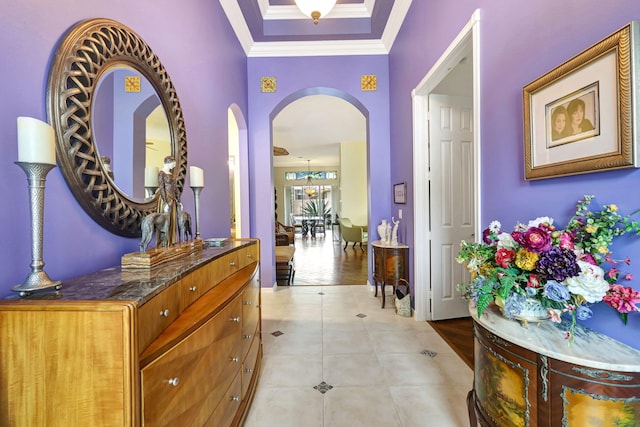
334 358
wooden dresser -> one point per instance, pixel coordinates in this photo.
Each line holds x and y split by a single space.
533 377
177 346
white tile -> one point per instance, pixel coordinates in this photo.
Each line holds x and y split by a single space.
352 370
297 343
359 407
374 365
346 342
420 406
411 369
286 407
291 371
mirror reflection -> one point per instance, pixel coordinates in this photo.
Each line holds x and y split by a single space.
131 130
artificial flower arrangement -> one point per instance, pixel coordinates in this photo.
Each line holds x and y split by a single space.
562 270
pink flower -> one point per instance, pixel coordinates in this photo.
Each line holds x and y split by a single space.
554 315
566 241
535 239
628 276
622 298
613 273
588 258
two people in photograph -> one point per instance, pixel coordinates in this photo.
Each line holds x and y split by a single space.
570 120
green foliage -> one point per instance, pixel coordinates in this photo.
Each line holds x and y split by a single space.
316 208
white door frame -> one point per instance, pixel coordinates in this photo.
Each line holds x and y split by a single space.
469 36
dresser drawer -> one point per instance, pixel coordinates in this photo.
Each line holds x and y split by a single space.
250 314
193 286
249 366
247 255
228 407
156 314
185 384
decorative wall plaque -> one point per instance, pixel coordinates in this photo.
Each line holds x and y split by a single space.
268 84
132 84
368 82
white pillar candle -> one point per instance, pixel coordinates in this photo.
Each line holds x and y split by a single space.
151 176
196 176
36 141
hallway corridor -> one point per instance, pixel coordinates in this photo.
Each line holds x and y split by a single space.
334 358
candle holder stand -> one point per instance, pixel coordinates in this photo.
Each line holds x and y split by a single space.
38 279
196 197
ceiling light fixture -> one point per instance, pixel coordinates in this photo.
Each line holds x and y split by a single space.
309 186
315 8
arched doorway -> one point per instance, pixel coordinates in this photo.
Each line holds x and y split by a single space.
325 136
238 173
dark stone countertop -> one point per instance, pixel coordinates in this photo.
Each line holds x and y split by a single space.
133 285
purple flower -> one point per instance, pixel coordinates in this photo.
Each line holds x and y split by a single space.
556 291
558 264
487 237
583 313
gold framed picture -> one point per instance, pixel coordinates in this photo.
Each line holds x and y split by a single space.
578 117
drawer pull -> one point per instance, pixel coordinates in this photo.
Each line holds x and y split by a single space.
164 313
249 371
174 381
247 303
246 337
232 263
234 359
249 256
235 319
193 289
235 399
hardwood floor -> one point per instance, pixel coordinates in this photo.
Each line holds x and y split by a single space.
458 333
322 262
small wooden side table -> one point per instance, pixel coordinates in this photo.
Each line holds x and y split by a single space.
390 265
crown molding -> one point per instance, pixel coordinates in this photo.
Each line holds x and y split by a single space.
316 48
339 11
396 18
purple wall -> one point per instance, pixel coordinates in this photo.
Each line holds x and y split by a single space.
518 44
198 48
297 77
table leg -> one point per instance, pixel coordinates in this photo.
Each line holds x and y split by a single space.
382 289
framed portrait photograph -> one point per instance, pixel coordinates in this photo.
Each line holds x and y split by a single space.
578 118
400 193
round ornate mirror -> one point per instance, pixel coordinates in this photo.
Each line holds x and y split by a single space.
87 55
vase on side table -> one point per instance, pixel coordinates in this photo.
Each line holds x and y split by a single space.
382 231
526 310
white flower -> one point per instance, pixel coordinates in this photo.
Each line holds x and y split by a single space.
540 220
494 226
474 264
590 283
506 241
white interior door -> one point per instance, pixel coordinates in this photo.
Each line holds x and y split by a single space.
451 204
